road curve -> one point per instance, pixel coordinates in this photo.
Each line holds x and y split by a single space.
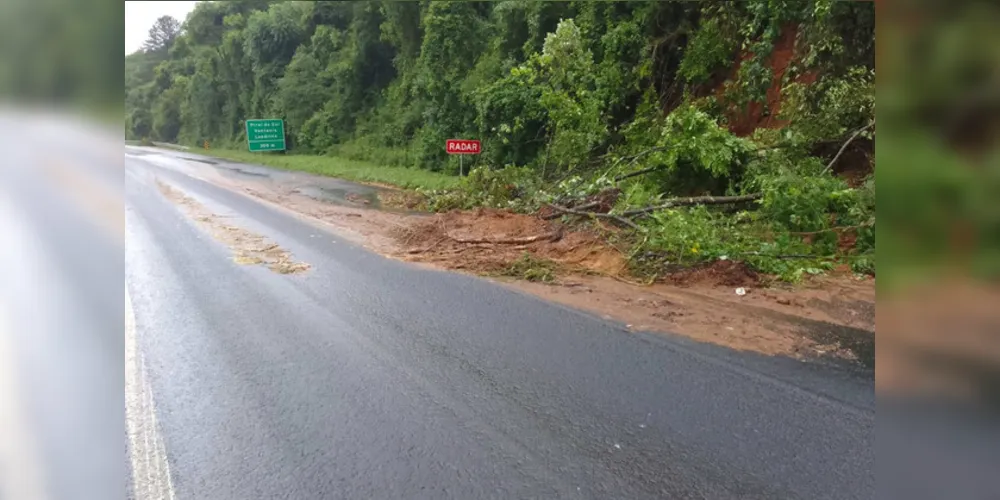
369 378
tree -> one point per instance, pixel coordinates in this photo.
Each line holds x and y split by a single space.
139 124
162 35
270 40
567 75
448 52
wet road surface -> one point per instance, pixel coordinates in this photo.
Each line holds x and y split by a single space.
325 189
369 378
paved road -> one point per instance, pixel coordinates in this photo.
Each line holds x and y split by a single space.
370 378
362 378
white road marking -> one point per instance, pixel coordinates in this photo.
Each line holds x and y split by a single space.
151 476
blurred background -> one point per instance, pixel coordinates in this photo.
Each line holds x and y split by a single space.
62 425
63 53
938 324
938 375
939 95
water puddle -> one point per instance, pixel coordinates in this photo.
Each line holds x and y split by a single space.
241 171
857 342
348 196
201 160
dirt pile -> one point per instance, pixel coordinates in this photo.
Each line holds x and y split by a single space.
719 273
488 240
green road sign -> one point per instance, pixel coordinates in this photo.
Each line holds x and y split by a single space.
266 135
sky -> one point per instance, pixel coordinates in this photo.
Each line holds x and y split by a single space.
140 16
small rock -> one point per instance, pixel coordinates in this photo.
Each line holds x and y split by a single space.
784 302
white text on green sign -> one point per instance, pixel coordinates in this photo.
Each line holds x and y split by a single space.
266 135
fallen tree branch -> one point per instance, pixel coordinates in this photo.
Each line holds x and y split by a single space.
635 159
582 213
630 282
585 206
423 250
781 256
553 236
785 145
830 229
855 135
697 200
639 172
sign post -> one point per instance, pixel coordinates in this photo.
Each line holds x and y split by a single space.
462 147
265 135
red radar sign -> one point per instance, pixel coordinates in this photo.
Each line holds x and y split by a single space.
462 147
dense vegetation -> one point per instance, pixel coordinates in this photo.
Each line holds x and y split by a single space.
609 107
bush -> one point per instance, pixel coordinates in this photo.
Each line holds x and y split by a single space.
689 236
511 187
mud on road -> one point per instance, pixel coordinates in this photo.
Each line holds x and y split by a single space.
248 248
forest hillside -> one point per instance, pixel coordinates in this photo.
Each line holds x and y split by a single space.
694 131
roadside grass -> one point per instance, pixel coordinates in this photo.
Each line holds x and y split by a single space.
353 170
